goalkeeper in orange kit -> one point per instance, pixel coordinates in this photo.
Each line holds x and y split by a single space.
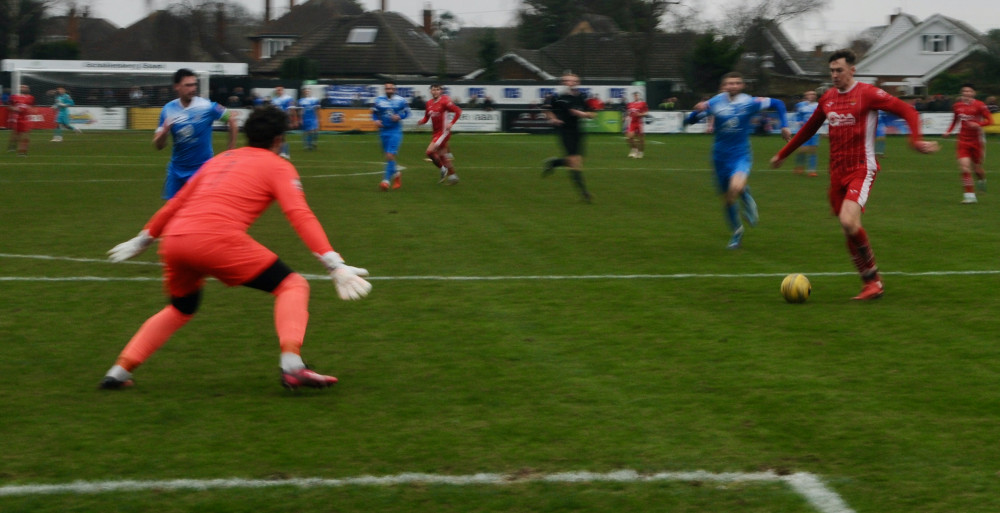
203 232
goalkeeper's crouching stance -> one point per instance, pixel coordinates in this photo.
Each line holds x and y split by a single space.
203 232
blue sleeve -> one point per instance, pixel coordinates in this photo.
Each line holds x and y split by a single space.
695 116
405 111
782 113
374 112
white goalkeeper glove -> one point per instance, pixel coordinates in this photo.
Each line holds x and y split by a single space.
131 247
348 279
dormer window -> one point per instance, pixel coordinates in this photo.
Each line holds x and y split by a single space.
938 43
270 46
362 35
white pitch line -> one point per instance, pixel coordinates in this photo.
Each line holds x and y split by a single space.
318 277
678 276
809 486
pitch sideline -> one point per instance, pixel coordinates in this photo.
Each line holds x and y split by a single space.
808 486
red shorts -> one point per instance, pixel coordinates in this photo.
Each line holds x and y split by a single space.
439 141
854 186
972 150
232 258
635 127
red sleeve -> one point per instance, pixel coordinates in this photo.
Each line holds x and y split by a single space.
162 216
288 192
882 100
808 129
954 121
456 110
986 114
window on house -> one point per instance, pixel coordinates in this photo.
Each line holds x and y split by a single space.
938 43
269 47
362 35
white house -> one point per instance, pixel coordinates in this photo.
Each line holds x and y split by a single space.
910 53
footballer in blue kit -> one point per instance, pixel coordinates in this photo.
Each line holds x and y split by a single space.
189 120
308 114
388 112
285 102
805 159
731 153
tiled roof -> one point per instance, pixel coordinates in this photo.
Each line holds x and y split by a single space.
162 36
614 55
304 18
400 48
90 31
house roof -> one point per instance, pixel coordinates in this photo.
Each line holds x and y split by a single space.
162 36
400 48
303 18
611 55
899 24
791 60
90 31
868 66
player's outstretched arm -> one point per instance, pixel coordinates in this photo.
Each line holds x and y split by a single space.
349 280
131 247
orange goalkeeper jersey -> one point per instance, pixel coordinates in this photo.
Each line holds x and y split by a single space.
231 191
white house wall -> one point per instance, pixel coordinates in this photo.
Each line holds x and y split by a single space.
907 58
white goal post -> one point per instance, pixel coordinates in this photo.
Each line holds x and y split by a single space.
114 74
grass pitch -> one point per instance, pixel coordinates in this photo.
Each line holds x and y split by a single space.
512 329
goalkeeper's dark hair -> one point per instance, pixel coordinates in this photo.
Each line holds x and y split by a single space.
264 125
183 73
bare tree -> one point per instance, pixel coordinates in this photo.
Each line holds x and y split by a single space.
748 13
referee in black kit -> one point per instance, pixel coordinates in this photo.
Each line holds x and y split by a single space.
564 111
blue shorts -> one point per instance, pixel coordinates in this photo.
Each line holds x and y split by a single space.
726 168
310 125
63 118
391 139
812 141
176 178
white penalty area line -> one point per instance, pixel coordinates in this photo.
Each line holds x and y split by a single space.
537 277
676 276
809 486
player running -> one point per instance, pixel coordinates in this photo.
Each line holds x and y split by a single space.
285 102
203 232
388 112
438 151
189 120
805 160
971 115
851 109
309 117
732 111
63 102
635 129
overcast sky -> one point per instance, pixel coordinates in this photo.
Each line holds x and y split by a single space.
834 25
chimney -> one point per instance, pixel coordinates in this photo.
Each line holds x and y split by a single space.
428 20
267 11
892 17
73 27
291 4
818 50
220 23
385 5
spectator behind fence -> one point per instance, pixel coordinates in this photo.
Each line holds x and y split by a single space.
991 104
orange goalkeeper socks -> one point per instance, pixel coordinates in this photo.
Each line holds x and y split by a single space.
153 334
291 312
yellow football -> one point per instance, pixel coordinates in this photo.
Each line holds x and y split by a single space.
796 288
